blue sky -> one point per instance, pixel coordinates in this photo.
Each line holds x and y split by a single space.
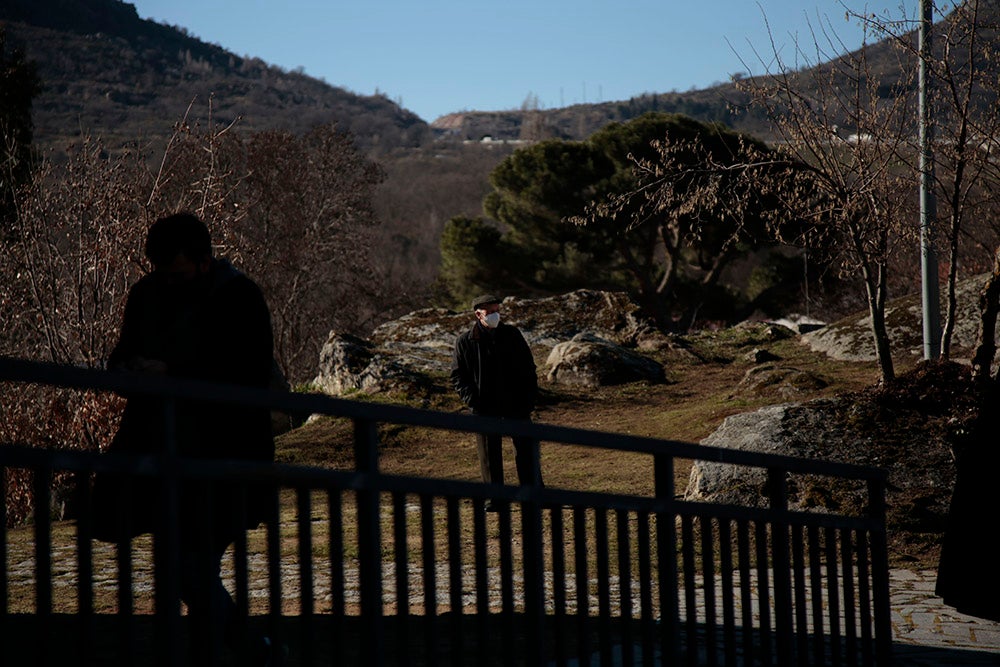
440 56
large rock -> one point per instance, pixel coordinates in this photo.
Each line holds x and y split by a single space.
850 339
590 361
351 364
409 352
811 430
783 381
760 431
850 430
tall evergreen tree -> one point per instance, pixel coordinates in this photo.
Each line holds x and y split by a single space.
549 236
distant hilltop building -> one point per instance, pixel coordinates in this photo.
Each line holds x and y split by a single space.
477 126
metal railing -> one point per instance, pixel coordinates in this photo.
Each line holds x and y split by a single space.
362 567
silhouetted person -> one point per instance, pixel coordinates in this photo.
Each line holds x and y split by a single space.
494 374
195 316
967 576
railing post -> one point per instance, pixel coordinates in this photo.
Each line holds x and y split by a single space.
781 561
4 584
880 574
369 543
166 541
533 563
533 559
273 548
43 559
666 545
306 597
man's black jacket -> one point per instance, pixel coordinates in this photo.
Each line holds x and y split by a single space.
493 371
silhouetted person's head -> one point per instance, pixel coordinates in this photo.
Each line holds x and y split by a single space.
179 246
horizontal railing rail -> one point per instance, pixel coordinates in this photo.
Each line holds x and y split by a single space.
396 569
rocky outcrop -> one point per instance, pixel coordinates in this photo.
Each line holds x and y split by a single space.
850 339
406 354
760 431
860 430
475 125
787 382
352 364
590 361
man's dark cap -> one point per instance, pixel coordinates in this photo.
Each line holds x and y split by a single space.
484 300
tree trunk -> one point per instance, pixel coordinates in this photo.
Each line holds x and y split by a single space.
875 286
953 234
873 269
882 347
650 296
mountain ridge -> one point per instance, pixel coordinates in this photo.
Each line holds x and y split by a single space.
106 71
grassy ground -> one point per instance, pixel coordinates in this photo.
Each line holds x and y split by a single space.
709 377
707 380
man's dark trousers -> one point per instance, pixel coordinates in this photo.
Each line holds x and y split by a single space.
526 458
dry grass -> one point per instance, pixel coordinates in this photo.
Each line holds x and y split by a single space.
703 388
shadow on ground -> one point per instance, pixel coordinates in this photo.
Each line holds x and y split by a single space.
108 640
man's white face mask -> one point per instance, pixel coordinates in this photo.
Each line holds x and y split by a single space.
492 320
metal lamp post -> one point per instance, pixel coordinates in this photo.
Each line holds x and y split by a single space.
928 204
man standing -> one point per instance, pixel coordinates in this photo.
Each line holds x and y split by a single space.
195 316
494 374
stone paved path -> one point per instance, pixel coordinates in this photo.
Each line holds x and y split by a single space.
926 633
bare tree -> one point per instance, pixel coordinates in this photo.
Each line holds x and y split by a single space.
64 272
293 212
965 94
963 91
833 184
77 246
309 235
845 126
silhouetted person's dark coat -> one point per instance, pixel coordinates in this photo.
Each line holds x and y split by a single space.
194 317
218 330
967 578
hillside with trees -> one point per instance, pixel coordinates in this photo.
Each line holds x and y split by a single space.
106 71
